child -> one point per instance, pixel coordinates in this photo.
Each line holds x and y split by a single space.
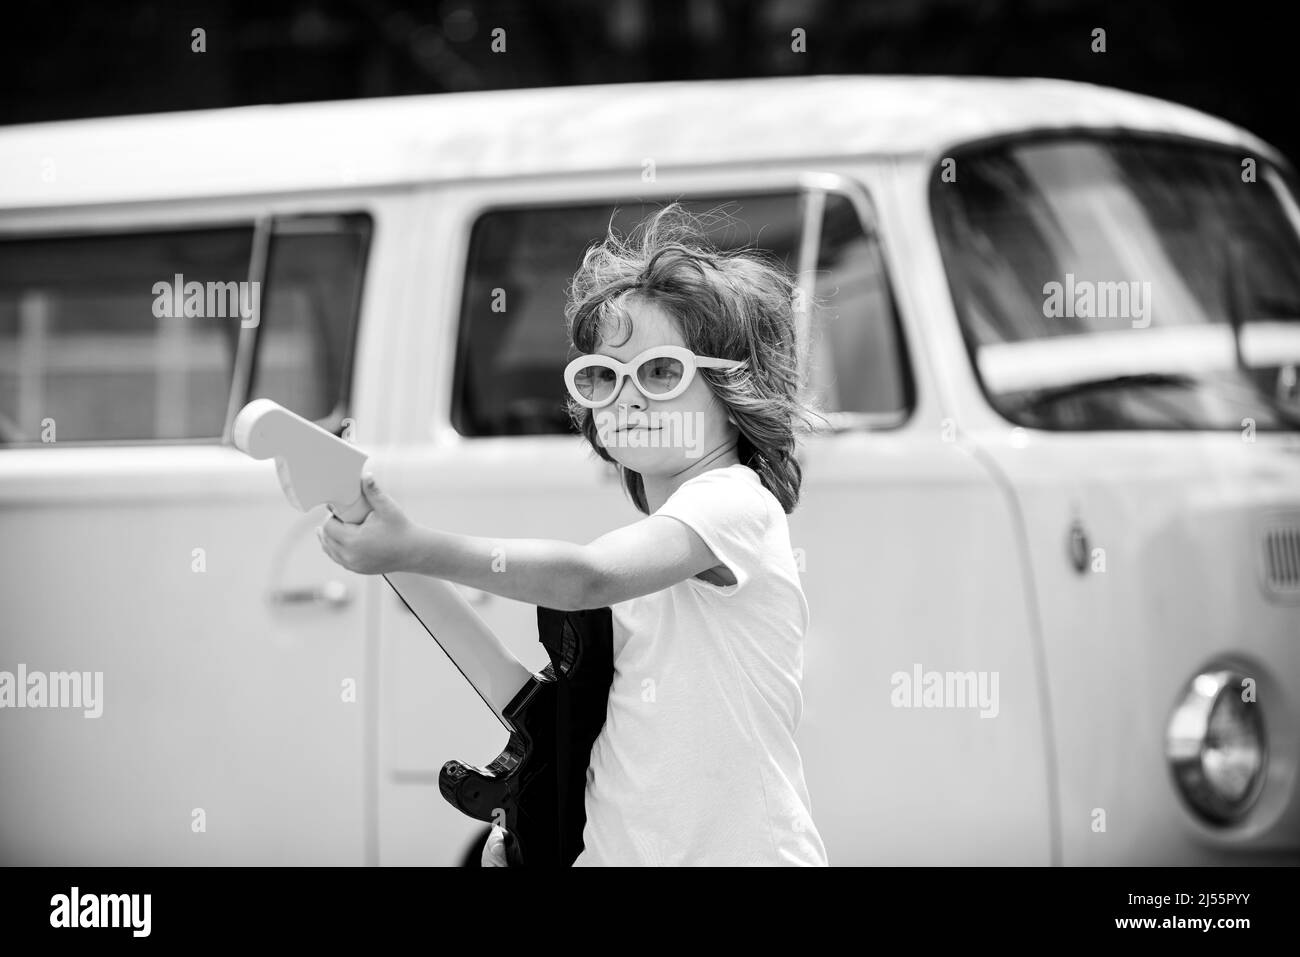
688 382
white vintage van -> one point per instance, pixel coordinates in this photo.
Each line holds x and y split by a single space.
1051 544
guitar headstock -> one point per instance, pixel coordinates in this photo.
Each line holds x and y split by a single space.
314 466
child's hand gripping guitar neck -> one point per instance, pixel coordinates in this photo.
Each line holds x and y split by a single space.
552 717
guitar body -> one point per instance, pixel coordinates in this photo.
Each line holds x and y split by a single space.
535 788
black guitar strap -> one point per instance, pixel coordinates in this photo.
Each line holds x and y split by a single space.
581 648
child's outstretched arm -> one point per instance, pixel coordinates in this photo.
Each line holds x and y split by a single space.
641 558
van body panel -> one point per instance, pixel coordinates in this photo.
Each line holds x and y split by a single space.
1175 533
222 720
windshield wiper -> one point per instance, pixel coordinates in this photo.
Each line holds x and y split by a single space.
1040 397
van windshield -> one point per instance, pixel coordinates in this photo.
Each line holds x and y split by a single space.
1124 284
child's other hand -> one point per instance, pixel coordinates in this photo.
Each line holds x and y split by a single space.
384 542
494 849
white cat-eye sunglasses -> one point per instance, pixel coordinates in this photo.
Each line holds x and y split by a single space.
661 372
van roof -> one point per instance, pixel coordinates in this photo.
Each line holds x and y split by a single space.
537 132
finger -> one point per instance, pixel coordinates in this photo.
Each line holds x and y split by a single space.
377 497
328 547
494 849
340 532
335 525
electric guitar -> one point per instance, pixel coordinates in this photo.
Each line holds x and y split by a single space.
534 788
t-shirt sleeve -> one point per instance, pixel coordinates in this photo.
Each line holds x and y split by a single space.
729 514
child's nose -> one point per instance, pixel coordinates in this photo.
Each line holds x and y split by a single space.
629 394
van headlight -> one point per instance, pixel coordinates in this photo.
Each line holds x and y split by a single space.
1216 746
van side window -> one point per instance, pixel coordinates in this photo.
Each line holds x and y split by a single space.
133 337
85 355
513 348
858 363
311 302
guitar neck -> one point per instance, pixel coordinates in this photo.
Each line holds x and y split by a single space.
487 664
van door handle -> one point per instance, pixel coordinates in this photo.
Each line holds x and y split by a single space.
331 594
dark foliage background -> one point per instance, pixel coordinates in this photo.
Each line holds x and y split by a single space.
63 60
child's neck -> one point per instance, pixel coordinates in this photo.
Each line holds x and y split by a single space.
659 487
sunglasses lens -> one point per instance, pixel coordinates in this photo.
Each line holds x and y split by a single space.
595 383
660 375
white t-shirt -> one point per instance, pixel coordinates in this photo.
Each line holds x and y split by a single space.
696 764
